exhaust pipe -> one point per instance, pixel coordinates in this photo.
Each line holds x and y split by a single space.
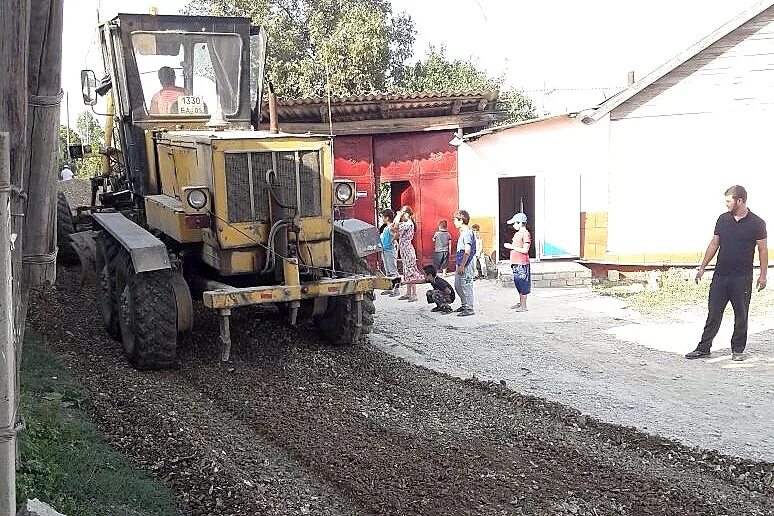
273 125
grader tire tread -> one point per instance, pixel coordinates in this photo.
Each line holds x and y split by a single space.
107 290
155 328
338 324
65 227
154 316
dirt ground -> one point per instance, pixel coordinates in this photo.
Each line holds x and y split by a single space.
293 426
590 352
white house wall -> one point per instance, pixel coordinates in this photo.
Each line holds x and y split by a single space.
676 146
669 174
559 152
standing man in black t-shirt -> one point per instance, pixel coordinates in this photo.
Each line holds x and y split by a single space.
737 232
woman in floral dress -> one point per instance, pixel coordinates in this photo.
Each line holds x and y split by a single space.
404 226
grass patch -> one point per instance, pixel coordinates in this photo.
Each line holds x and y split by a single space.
66 461
678 291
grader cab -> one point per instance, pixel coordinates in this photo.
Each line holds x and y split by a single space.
200 205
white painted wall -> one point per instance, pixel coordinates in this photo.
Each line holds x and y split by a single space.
668 176
560 152
679 144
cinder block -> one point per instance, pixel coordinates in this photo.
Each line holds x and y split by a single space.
583 274
557 283
613 275
587 281
566 275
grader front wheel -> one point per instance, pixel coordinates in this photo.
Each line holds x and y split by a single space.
147 316
340 326
347 320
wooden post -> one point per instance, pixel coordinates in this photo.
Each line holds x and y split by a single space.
14 55
45 96
7 354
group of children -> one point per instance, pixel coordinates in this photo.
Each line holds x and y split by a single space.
469 254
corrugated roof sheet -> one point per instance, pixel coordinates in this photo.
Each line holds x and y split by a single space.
381 97
383 106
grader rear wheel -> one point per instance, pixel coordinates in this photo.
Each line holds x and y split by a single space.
65 226
107 251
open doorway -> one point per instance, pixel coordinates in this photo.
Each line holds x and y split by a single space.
394 194
516 194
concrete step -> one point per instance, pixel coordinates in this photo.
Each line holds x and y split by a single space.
552 274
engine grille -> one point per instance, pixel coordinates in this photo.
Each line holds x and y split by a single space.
248 193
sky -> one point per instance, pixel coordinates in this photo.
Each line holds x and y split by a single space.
560 52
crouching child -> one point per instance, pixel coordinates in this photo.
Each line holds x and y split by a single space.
442 293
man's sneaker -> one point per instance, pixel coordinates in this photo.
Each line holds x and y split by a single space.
737 357
394 293
460 309
386 292
466 312
437 309
446 310
697 353
516 306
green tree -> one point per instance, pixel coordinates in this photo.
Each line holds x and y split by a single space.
436 72
90 132
349 46
64 154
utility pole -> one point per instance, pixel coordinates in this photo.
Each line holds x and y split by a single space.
67 134
7 352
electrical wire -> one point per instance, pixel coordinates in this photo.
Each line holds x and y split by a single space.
275 253
482 10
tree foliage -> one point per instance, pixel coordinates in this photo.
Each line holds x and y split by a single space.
436 72
64 155
88 132
352 46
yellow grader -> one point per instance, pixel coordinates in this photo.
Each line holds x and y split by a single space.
195 203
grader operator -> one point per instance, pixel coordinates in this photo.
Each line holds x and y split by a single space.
194 203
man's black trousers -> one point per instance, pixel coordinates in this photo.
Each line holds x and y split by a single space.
723 289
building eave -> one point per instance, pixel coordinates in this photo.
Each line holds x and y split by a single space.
394 125
501 128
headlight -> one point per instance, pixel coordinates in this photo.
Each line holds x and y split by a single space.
197 199
343 192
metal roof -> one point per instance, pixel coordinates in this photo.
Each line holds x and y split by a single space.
618 99
500 128
383 106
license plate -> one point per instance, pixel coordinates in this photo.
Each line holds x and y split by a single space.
191 105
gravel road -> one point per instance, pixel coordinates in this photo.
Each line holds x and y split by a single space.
588 351
292 426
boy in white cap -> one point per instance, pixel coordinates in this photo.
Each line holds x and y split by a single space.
519 247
